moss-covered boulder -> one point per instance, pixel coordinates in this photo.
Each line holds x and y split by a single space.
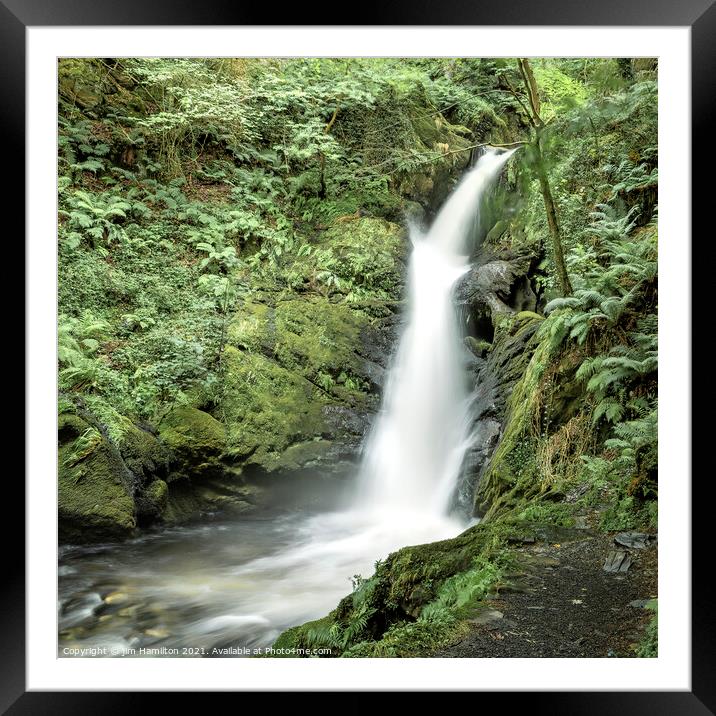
152 502
401 588
298 375
111 474
196 441
94 485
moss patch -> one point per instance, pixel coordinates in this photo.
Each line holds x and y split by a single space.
196 440
93 503
267 408
284 364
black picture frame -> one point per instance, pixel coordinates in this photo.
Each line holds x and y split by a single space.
699 15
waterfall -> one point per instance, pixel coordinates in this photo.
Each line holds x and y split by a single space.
414 453
244 581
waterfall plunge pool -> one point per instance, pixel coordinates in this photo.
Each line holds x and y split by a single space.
224 588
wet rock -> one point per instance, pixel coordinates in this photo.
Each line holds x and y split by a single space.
128 612
634 540
94 486
116 598
497 286
413 212
617 561
152 501
478 347
431 184
487 617
639 603
378 340
196 440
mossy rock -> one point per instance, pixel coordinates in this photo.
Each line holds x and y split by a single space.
449 146
478 346
143 454
528 316
304 454
196 440
318 339
189 500
268 408
403 584
284 364
93 500
152 502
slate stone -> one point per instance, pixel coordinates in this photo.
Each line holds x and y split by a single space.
617 561
633 540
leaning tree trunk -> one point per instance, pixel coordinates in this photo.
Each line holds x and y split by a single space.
552 222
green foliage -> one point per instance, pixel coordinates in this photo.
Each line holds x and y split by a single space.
648 647
96 217
543 512
561 91
83 446
462 590
78 340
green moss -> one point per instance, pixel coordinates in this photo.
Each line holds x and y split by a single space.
302 454
554 513
157 495
513 467
528 315
311 635
414 603
440 622
412 639
316 335
251 327
283 365
478 346
196 440
648 647
267 408
93 502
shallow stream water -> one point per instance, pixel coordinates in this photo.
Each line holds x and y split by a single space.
222 588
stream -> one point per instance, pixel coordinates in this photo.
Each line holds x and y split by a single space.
223 585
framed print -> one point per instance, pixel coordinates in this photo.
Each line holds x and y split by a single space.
345 353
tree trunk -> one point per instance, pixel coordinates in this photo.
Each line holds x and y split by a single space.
552 222
532 91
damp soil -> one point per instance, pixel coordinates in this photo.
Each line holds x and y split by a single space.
560 602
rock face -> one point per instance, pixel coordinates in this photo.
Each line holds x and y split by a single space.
107 484
498 300
495 377
196 440
303 373
495 287
432 183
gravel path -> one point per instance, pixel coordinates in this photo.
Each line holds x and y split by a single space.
561 603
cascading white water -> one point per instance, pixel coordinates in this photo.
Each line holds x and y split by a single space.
244 581
415 451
